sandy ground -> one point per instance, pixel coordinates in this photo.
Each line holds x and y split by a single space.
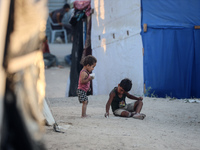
56 78
169 125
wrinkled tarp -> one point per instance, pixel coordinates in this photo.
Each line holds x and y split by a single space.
22 124
171 48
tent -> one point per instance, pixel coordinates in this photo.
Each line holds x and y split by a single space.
117 44
49 119
168 33
22 86
171 47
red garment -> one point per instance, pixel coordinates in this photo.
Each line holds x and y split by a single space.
83 5
85 87
46 48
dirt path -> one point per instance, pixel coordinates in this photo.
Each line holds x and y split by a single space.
170 124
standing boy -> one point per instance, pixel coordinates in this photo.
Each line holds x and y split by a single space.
89 63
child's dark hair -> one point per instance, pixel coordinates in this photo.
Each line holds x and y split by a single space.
66 6
89 60
126 84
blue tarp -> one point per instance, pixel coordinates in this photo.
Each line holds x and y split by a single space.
171 47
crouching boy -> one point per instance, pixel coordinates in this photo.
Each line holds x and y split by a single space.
118 104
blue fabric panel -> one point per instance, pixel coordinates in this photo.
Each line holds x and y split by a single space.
171 13
168 61
196 66
172 47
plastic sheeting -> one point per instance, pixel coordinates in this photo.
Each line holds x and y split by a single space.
171 48
48 114
171 13
196 66
23 79
117 45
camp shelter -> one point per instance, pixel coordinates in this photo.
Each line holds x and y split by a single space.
171 40
22 83
117 44
169 43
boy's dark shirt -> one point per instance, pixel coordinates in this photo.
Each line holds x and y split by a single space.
116 100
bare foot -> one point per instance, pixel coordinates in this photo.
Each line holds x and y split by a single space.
86 116
59 66
143 115
138 116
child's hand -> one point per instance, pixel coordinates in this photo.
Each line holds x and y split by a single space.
106 115
91 78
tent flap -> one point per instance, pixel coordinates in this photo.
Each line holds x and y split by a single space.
167 68
172 14
171 48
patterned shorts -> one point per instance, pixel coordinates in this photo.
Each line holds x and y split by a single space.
82 95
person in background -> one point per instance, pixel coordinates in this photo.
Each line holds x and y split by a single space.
52 59
58 16
68 59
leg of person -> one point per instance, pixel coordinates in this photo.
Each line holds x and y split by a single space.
82 96
84 108
68 28
137 108
130 107
50 58
68 59
57 63
125 114
122 113
51 62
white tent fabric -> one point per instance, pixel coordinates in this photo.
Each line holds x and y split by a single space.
117 44
47 114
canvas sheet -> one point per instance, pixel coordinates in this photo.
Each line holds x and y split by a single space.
117 45
171 48
171 13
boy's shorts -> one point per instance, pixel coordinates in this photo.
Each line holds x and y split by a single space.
82 95
128 108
